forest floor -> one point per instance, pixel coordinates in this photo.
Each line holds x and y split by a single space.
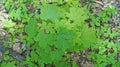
100 4
82 59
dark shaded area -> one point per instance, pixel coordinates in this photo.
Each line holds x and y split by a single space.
11 52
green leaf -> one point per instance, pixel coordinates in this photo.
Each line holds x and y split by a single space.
65 39
48 27
74 64
15 14
56 55
63 44
30 29
8 24
85 38
77 14
34 56
50 12
45 38
7 52
6 58
67 34
88 36
11 30
8 64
